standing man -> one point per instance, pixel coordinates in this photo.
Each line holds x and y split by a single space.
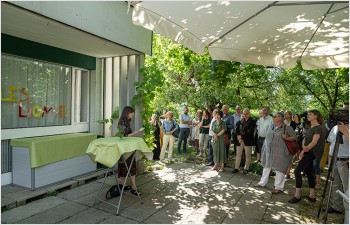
341 170
236 117
230 125
263 126
185 122
245 136
211 153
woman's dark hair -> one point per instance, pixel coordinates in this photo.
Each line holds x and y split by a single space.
318 114
125 113
297 115
207 113
220 113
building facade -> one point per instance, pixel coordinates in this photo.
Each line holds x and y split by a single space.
65 65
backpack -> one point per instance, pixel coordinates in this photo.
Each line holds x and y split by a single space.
113 192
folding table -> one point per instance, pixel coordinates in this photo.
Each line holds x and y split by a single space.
113 150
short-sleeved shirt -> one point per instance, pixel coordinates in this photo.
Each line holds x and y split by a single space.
343 151
185 117
319 147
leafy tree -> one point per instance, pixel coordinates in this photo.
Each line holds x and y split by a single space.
175 76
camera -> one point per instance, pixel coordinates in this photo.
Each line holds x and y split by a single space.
339 115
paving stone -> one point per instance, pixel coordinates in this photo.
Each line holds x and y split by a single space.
174 212
280 211
127 201
80 191
55 214
206 215
151 204
89 216
31 209
118 220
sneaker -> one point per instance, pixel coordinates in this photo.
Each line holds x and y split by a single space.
311 199
287 177
235 171
245 172
294 200
210 164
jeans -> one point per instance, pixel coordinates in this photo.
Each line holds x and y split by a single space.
183 136
306 165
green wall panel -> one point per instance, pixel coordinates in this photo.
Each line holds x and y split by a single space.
21 47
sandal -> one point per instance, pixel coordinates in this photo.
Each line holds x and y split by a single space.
134 192
276 191
214 168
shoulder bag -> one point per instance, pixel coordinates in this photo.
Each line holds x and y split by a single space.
292 146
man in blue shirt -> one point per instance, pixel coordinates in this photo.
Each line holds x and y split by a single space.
229 120
185 122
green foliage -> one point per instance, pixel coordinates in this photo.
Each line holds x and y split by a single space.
174 76
114 116
52 193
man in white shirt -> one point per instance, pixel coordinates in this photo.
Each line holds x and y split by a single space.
264 124
341 170
236 118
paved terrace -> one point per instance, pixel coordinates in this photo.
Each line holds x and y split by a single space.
180 193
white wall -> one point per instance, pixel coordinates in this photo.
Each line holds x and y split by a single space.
106 19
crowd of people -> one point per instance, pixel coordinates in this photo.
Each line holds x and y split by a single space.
213 131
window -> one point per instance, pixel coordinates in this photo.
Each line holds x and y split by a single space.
34 93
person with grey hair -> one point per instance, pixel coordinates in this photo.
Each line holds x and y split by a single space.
275 154
245 136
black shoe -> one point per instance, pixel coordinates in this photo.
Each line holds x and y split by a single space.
235 171
311 199
294 200
245 172
287 177
134 192
332 210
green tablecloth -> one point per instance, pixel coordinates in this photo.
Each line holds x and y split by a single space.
107 151
49 149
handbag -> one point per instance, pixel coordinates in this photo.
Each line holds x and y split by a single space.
227 140
176 132
114 191
292 146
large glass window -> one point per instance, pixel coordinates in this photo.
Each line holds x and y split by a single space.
34 93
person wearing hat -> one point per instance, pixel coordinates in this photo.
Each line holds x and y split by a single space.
275 154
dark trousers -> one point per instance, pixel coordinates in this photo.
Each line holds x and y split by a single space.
156 150
260 144
183 136
211 153
306 165
228 146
